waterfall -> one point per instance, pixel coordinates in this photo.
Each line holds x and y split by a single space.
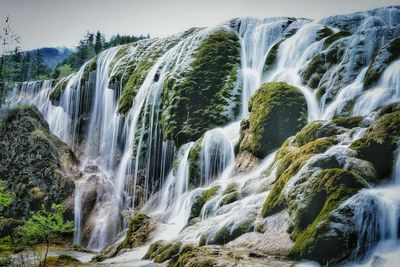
119 154
377 220
216 154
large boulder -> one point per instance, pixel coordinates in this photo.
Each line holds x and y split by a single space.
204 94
316 172
38 168
380 143
277 111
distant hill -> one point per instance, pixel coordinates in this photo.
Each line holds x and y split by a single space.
52 56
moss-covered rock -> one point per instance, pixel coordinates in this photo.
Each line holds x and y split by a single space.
348 122
271 57
162 251
228 233
316 130
139 230
385 55
291 161
379 145
194 164
312 226
56 93
205 94
201 199
37 167
277 111
334 37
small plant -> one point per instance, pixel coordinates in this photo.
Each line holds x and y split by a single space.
44 226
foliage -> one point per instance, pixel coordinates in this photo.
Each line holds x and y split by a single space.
44 226
5 197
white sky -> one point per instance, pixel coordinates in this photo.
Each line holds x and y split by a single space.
42 23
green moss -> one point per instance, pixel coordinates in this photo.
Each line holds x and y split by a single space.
277 111
90 67
225 234
271 56
230 198
197 99
232 187
321 92
154 247
380 143
203 240
348 122
383 57
134 82
324 32
314 70
334 37
201 199
56 93
193 257
290 165
167 251
315 130
194 164
62 260
311 229
138 231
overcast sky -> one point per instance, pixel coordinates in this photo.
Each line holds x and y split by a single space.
63 22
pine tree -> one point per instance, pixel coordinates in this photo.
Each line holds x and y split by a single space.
99 42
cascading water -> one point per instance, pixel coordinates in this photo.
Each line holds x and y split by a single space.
377 219
117 152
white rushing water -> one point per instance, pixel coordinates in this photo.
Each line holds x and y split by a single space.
117 153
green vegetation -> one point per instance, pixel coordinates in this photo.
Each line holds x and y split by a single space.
197 99
5 197
33 162
277 111
44 226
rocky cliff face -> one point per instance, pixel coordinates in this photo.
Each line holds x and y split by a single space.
38 168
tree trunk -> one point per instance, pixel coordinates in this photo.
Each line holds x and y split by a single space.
47 251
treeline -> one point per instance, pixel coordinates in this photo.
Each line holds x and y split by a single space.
25 66
89 47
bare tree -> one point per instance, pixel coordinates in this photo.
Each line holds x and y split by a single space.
9 43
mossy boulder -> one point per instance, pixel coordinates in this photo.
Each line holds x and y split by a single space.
139 231
37 167
316 130
313 223
162 251
201 199
205 94
291 159
230 232
277 111
379 144
383 57
56 93
334 37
